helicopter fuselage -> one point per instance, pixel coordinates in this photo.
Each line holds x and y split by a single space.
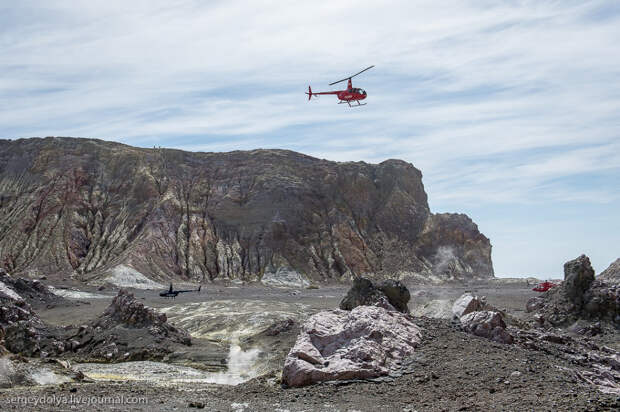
351 94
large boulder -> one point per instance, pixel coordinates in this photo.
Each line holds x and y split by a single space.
396 293
487 324
578 276
481 319
362 293
367 342
466 304
389 294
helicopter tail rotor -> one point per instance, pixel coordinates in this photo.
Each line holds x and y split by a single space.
309 93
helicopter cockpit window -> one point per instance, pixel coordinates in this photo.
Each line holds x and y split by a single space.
361 91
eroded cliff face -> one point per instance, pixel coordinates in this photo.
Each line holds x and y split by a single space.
85 208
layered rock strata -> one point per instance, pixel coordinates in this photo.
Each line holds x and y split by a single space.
90 209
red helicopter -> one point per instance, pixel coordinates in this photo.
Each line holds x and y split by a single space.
345 96
544 286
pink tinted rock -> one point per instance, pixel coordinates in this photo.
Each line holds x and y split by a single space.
466 304
367 342
487 324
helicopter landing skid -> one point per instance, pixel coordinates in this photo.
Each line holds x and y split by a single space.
352 105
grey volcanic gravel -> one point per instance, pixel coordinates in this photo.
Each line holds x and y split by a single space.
451 371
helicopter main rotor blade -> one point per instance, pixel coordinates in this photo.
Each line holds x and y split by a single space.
367 68
347 78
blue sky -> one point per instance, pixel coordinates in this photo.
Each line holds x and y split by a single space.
511 109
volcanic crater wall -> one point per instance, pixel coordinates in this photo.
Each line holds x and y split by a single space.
81 207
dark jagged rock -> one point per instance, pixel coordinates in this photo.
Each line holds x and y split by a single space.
397 294
389 294
362 292
35 293
114 334
125 331
125 309
602 301
21 330
578 276
23 338
579 297
84 207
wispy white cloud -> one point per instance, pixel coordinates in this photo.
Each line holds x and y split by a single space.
497 102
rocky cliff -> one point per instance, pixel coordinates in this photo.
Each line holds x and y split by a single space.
90 209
